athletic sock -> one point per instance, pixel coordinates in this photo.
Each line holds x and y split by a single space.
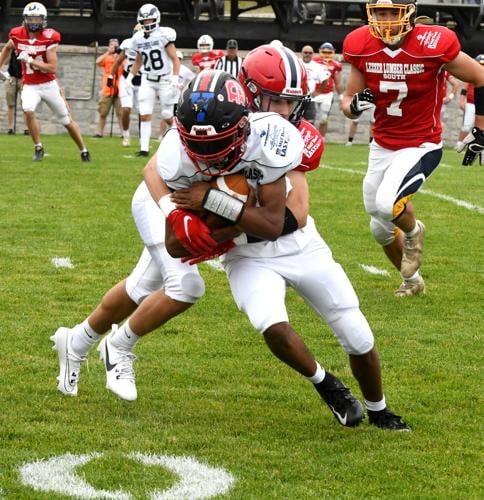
413 232
376 406
83 338
144 135
318 376
124 338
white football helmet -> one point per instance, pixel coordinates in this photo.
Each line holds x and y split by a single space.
35 16
149 17
205 44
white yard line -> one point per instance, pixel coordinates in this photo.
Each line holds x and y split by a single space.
62 262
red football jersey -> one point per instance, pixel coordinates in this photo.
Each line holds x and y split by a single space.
37 48
407 82
313 147
333 67
206 61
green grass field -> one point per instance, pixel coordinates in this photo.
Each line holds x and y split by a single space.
208 387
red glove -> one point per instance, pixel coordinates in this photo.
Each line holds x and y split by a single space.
220 249
191 232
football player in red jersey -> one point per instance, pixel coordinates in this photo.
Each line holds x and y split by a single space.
399 66
324 92
36 46
275 81
206 57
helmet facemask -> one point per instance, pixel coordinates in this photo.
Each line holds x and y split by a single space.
262 100
218 152
35 17
212 121
391 29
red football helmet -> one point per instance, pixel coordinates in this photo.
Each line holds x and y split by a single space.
212 121
275 72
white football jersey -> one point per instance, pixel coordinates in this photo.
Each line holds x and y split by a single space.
274 147
130 53
155 59
316 74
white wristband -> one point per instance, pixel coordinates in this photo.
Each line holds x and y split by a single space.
222 204
129 78
341 97
166 205
451 96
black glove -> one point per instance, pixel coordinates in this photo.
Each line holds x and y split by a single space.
474 142
361 102
110 81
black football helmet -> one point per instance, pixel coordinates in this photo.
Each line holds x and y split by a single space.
212 120
391 31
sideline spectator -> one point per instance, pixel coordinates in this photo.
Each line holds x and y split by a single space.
317 75
13 87
231 61
109 92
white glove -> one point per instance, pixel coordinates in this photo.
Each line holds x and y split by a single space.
23 56
4 75
129 84
175 85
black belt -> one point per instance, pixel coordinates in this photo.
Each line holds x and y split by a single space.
156 78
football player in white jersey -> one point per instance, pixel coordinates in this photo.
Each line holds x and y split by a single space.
128 97
156 50
160 285
258 272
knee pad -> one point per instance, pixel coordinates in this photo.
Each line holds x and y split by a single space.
353 331
185 287
65 120
167 113
138 287
384 233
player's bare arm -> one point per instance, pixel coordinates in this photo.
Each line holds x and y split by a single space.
298 199
6 53
117 63
467 69
156 185
356 83
171 52
137 64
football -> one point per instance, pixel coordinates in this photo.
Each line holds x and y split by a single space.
235 185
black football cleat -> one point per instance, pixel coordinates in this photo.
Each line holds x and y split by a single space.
142 153
38 153
345 407
386 419
85 156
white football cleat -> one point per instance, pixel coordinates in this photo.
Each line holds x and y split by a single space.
120 377
126 142
69 362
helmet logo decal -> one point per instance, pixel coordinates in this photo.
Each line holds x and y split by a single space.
200 101
235 93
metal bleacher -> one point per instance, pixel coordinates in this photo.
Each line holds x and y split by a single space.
295 22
